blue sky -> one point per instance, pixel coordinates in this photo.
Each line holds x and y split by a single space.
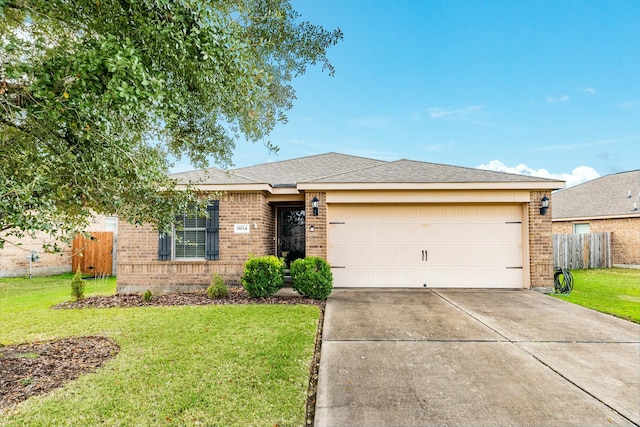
542 87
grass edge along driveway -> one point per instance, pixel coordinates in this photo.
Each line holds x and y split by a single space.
613 291
210 365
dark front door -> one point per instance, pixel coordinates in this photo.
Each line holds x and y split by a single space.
291 231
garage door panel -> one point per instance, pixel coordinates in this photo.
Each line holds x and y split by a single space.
437 245
374 234
372 256
437 277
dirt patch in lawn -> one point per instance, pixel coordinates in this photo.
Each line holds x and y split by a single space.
36 368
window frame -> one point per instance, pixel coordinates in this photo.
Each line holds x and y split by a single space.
175 243
167 245
583 224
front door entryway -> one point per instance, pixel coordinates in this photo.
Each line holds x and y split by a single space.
291 233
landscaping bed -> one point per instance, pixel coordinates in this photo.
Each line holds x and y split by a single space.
36 368
237 295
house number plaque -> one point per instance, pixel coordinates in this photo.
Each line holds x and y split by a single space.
241 228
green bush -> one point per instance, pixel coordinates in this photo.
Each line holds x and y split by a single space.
147 296
263 276
311 277
77 286
217 289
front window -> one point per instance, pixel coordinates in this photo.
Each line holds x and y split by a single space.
581 228
193 237
190 237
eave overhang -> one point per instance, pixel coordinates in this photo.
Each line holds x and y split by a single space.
538 185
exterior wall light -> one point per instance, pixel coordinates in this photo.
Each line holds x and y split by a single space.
314 204
544 203
312 228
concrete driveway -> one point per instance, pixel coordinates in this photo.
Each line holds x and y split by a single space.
398 357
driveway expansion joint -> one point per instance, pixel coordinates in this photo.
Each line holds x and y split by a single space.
542 362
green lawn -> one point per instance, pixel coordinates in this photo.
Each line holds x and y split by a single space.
212 365
614 291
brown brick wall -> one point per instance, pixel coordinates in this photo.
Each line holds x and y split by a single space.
138 267
316 240
13 257
625 236
540 242
14 262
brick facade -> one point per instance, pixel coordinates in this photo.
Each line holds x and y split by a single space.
540 242
625 236
138 268
316 240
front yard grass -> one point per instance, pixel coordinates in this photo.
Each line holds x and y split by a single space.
614 291
208 365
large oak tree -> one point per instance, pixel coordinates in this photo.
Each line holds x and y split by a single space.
97 95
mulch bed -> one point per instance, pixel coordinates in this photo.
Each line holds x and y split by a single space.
237 295
36 368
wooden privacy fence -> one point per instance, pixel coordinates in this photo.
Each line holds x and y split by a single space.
580 251
93 253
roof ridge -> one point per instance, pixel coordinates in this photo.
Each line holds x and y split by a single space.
206 171
382 163
307 157
591 181
486 170
243 176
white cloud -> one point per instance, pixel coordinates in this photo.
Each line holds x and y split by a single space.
440 147
563 98
590 90
439 113
577 176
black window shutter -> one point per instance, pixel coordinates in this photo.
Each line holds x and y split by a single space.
213 230
164 247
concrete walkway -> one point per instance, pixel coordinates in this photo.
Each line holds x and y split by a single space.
397 357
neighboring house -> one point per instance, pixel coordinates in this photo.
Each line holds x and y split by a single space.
14 261
609 203
378 224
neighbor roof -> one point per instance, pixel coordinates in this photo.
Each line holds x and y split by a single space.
605 197
334 169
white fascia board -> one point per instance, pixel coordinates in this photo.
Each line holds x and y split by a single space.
596 218
231 188
540 185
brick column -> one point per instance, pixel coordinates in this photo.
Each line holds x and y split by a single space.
540 242
316 240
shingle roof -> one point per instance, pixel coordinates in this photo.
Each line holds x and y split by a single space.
286 172
332 168
411 171
306 169
606 196
211 175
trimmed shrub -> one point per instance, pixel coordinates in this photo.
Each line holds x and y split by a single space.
217 289
77 286
263 276
147 296
311 277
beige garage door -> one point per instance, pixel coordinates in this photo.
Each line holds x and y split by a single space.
426 245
